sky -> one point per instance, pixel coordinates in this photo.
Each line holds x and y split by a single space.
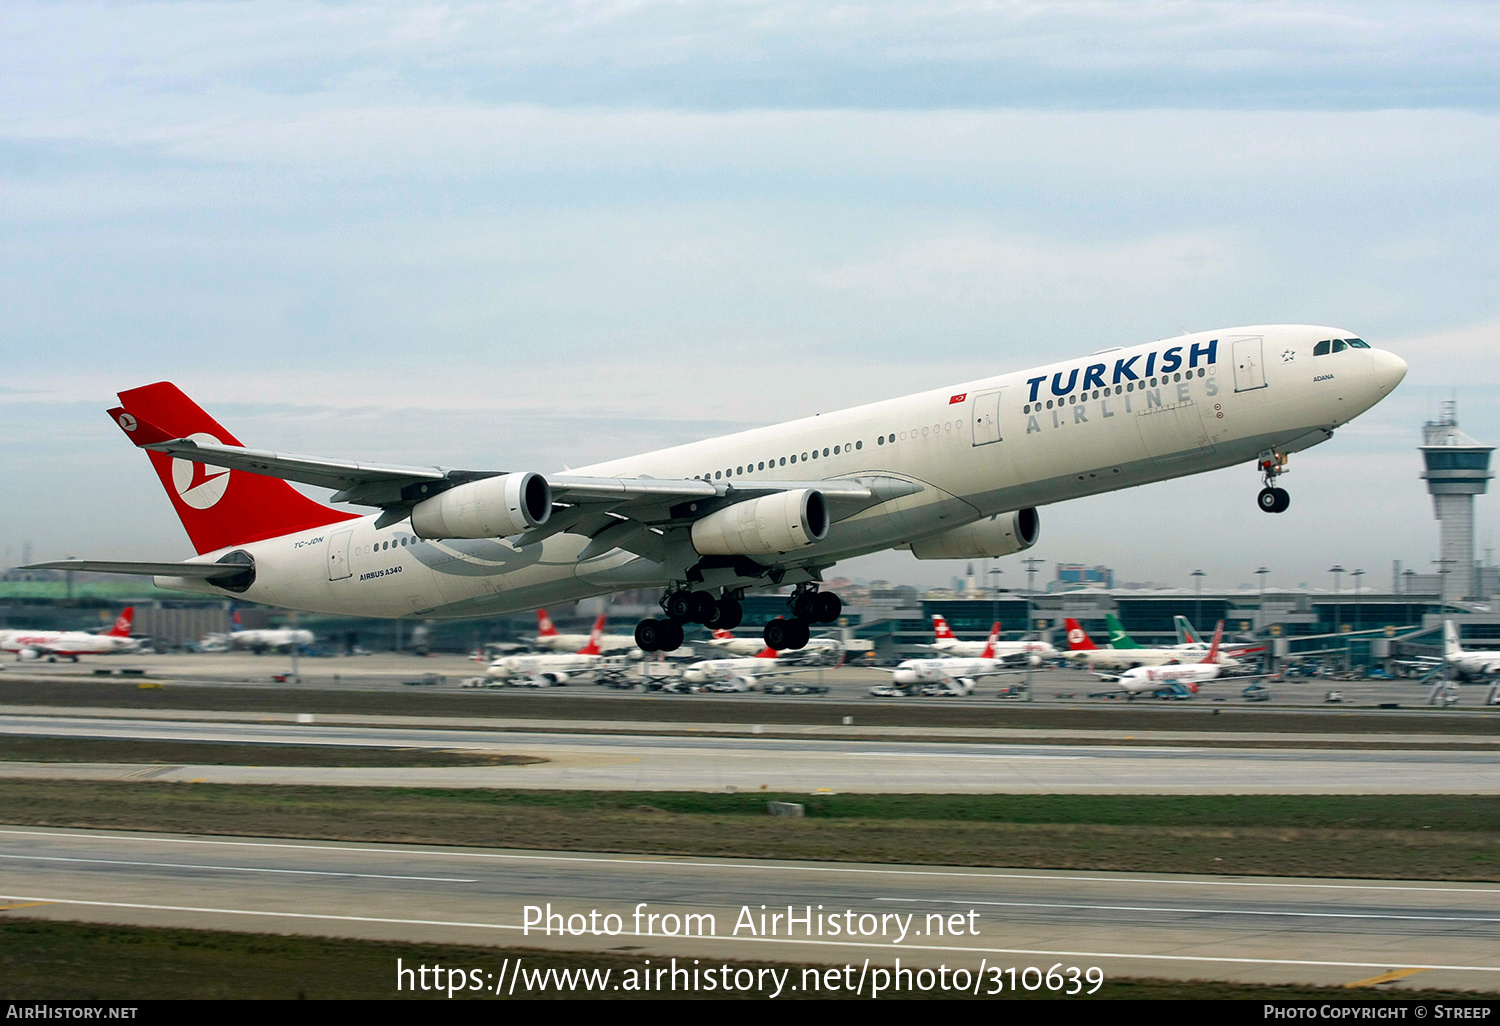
530 236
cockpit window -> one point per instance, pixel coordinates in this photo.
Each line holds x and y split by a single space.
1357 343
1321 349
1338 345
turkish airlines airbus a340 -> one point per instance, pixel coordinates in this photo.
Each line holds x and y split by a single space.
955 473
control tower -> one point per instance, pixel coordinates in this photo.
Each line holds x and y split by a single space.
1457 469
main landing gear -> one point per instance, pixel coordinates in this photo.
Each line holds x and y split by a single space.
808 606
1272 499
682 607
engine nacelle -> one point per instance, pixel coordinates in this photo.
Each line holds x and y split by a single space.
552 678
761 527
1000 535
492 507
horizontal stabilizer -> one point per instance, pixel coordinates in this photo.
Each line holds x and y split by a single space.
105 566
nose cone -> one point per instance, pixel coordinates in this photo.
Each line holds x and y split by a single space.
1388 368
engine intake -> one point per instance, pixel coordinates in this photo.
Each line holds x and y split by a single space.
760 527
492 507
1000 535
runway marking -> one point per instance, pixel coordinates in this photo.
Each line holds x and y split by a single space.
764 867
882 946
26 904
1390 977
1203 911
235 869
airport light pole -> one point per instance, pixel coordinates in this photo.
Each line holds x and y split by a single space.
1356 574
1260 576
1032 562
1198 576
1338 571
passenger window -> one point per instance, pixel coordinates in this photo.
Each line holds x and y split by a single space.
1321 349
762 465
1338 345
783 461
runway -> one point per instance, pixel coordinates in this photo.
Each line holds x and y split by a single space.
643 762
1254 929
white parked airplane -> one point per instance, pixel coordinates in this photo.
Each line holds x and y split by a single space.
1178 680
259 639
1468 662
552 667
548 637
946 642
1084 653
953 473
740 673
951 675
825 650
51 645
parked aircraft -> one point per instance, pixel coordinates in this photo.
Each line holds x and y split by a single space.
953 473
1084 653
1015 652
258 639
552 667
951 675
1123 642
740 673
1468 662
51 645
825 650
1177 680
547 637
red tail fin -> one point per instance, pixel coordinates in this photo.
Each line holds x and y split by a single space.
989 650
1213 650
940 627
545 628
723 635
218 507
592 648
1078 638
121 629
768 653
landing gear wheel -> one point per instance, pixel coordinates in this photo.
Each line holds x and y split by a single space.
805 605
727 616
1283 500
669 637
826 607
678 605
648 635
704 607
1267 500
797 633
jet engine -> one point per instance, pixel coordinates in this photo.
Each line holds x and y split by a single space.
760 527
1000 535
552 678
492 507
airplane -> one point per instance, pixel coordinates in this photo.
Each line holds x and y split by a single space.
1468 662
1036 652
825 650
547 637
551 668
949 675
1179 680
1120 641
50 645
950 473
259 639
1084 653
742 673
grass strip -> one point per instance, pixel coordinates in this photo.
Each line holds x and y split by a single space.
49 960
14 748
1387 837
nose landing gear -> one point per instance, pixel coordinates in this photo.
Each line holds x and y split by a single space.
1271 499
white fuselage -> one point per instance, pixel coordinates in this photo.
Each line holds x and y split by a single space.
928 671
1121 418
618 643
1154 678
707 670
1012 651
562 664
64 643
1128 658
